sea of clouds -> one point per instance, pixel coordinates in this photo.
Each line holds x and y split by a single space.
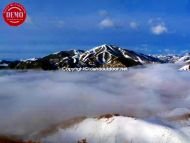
34 100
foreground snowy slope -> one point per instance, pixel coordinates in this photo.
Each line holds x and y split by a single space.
115 129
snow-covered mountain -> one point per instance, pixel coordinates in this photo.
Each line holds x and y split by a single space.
113 56
99 57
184 59
185 62
178 59
111 129
104 56
168 58
185 68
169 127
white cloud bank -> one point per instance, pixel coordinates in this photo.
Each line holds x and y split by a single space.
32 101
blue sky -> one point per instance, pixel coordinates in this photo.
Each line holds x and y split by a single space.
148 26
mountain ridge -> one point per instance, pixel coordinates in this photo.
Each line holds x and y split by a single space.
104 56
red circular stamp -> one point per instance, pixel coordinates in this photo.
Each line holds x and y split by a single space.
14 14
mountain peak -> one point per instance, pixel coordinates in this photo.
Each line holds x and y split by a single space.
104 46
